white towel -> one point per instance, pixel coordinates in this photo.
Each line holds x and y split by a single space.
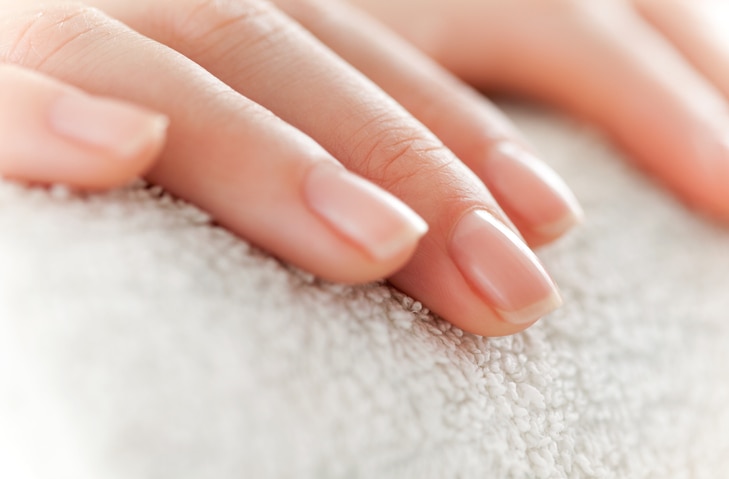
138 341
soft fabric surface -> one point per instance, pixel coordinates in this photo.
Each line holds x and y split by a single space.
139 341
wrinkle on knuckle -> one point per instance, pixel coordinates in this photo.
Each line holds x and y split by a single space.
205 24
34 39
396 160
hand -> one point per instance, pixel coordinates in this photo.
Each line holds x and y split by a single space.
224 74
654 74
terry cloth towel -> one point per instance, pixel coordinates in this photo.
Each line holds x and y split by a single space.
138 340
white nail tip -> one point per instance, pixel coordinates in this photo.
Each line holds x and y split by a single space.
534 311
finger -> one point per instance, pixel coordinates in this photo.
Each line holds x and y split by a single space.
699 30
532 195
470 269
604 62
254 173
53 133
667 115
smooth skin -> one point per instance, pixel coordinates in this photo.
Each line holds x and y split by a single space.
313 131
654 74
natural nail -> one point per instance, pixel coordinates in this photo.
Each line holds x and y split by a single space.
375 220
105 123
502 269
532 189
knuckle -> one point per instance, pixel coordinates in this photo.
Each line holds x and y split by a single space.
394 157
202 23
34 38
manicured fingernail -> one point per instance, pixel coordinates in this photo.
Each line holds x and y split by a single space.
500 267
531 189
105 123
375 220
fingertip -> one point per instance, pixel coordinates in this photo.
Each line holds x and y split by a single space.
501 269
702 182
51 132
353 266
532 194
116 141
371 245
364 215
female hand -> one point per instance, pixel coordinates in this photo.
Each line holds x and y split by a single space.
262 116
654 74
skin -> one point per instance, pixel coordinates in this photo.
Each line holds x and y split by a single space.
250 109
651 73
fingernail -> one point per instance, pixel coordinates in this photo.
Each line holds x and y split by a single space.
375 220
532 190
105 123
500 267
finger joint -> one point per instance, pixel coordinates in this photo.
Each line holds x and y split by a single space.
36 38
